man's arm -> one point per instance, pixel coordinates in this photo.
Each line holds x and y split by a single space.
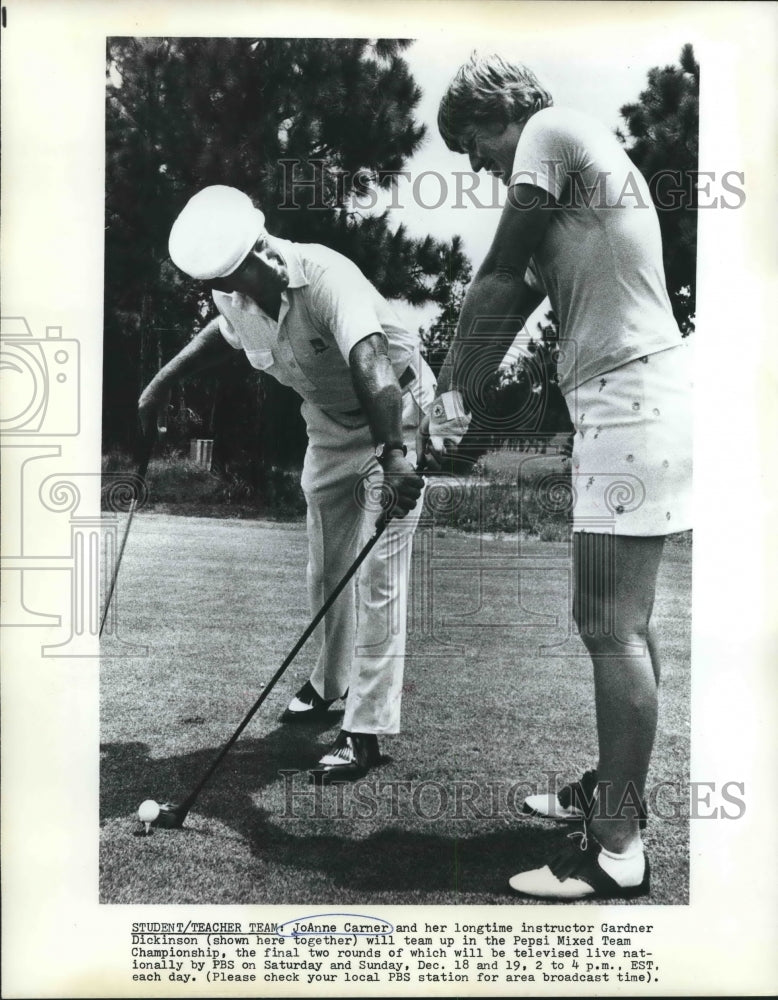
207 350
380 395
498 301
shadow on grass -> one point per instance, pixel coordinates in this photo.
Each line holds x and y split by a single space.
393 861
129 774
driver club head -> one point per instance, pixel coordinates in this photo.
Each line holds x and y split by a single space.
171 816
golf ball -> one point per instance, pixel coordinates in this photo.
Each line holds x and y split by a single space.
148 811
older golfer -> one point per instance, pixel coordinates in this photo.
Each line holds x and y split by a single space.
579 226
307 316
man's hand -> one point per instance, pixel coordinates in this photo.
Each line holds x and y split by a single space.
152 409
403 483
442 429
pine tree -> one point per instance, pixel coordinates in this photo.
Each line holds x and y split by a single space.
662 134
449 293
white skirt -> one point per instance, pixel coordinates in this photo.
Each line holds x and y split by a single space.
632 452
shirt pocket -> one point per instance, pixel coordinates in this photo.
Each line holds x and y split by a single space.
260 359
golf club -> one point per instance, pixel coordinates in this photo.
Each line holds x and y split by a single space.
171 815
147 446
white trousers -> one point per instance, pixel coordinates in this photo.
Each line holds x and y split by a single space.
363 634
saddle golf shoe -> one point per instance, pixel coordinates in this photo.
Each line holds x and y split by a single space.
585 870
575 801
351 756
308 706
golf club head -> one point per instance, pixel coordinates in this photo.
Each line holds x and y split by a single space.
171 816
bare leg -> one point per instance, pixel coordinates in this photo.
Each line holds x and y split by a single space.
615 587
653 649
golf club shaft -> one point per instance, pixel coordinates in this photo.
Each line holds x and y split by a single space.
381 524
109 596
143 465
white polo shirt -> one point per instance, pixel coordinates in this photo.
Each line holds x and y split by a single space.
328 307
600 262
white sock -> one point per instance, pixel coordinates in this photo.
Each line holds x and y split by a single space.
626 869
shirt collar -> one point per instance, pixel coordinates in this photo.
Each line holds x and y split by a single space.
294 264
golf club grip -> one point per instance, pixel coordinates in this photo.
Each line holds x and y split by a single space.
143 466
147 447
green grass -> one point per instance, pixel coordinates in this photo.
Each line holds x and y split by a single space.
218 604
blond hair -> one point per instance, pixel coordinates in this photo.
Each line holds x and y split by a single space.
488 88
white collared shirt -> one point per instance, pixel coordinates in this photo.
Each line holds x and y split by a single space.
328 307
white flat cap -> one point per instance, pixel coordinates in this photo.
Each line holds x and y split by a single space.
215 232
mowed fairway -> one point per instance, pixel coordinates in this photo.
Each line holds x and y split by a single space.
498 693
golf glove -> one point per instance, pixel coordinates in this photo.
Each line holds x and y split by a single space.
449 420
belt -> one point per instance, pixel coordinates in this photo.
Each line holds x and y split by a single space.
407 379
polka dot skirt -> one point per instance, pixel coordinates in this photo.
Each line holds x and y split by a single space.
632 452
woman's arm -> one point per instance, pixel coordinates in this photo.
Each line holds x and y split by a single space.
499 301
